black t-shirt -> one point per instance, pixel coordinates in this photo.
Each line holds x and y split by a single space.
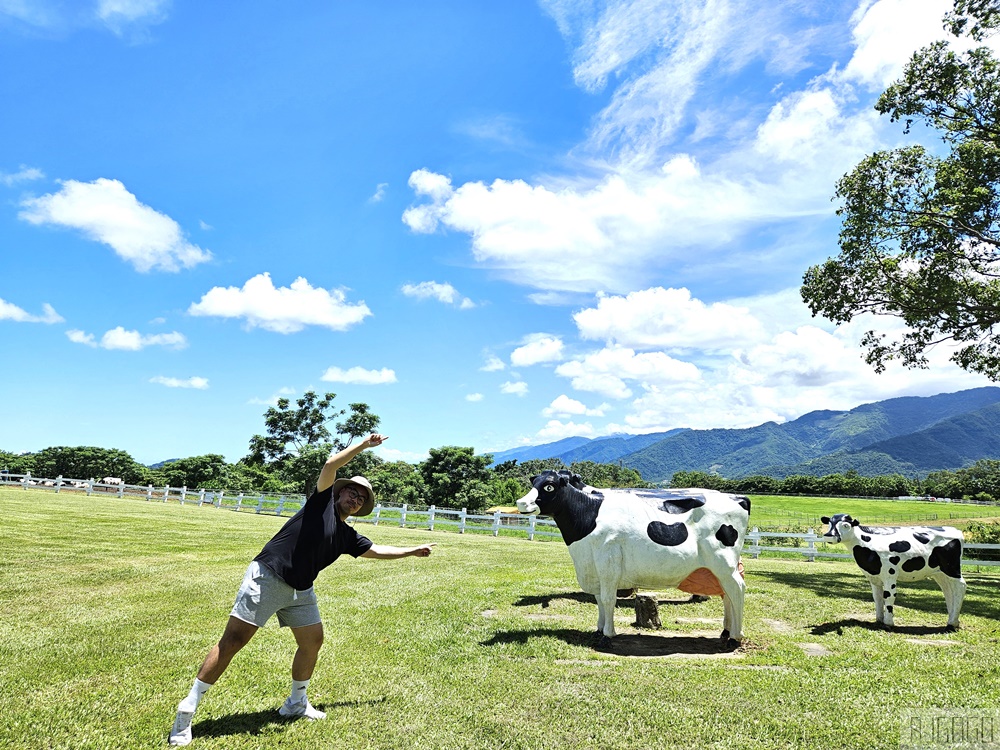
310 540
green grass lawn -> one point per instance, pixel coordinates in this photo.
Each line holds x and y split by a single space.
110 606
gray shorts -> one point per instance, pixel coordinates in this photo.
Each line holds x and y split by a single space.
263 594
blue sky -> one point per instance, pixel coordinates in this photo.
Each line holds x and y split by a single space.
497 224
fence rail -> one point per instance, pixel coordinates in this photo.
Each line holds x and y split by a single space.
461 521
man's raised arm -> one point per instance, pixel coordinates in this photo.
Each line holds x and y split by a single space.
329 472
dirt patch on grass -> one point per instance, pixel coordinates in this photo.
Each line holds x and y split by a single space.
815 649
933 642
779 626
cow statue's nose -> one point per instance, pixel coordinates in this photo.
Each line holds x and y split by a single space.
527 504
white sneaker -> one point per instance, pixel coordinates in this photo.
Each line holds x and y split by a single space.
301 708
180 732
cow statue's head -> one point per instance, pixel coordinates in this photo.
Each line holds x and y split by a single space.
838 522
544 488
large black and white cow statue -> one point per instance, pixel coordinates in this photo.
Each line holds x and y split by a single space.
646 539
890 554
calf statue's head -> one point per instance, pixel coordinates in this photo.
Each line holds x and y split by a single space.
838 522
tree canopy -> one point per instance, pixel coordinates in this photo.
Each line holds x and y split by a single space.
920 229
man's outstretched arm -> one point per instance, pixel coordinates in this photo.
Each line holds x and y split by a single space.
387 552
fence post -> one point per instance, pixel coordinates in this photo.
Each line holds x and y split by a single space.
58 483
121 490
810 552
239 503
201 496
378 512
166 493
754 537
461 521
430 519
183 494
281 504
24 481
496 523
260 504
531 527
402 515
90 487
149 493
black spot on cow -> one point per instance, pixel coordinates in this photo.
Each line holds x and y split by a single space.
727 535
865 538
681 504
667 534
900 546
886 594
894 559
743 501
922 538
868 560
892 571
893 586
948 557
913 564
888 607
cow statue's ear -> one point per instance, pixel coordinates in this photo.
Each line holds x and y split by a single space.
576 478
563 479
825 519
853 522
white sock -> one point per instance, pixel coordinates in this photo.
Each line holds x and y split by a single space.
190 704
299 688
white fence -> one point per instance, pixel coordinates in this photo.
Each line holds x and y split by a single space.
809 544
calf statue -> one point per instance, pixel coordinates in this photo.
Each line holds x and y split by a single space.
891 554
646 539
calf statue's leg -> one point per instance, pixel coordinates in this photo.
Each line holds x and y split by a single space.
733 589
884 594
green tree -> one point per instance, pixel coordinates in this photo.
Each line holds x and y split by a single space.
456 477
209 472
88 462
607 475
293 430
920 231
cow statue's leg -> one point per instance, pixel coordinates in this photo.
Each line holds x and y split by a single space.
884 594
954 593
733 588
609 567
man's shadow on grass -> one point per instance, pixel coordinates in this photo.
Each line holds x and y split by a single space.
256 722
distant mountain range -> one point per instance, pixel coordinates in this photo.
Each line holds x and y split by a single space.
910 435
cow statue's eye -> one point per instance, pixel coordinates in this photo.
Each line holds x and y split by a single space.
548 488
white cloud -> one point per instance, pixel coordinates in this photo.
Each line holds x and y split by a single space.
607 371
474 397
24 174
445 293
519 388
537 348
359 376
283 309
106 212
122 15
10 311
564 406
556 430
493 364
379 195
197 383
669 319
284 392
887 32
133 341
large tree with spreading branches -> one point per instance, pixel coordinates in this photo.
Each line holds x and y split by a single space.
920 235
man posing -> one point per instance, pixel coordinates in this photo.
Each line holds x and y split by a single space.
279 582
